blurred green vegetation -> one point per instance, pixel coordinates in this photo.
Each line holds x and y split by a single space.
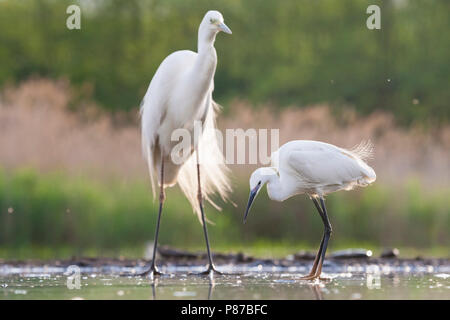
286 52
55 210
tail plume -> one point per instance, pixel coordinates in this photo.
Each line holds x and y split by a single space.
364 150
214 172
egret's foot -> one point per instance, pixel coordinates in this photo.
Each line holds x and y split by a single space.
210 270
314 277
309 277
151 272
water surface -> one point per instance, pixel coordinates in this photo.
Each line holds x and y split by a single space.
262 284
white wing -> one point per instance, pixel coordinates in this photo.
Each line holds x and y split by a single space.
319 165
154 104
167 79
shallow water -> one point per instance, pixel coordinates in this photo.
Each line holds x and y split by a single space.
44 283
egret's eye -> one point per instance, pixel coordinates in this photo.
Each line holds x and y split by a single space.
259 183
212 20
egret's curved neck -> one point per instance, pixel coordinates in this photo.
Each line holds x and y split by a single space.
206 51
275 188
206 39
205 66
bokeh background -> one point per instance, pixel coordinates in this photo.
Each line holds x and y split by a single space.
72 178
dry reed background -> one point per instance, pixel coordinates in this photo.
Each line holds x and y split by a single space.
37 129
92 191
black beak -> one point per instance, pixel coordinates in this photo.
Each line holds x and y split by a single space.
250 200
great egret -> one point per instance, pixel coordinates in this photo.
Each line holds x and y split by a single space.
180 95
316 169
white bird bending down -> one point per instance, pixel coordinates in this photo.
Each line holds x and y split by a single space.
316 169
178 97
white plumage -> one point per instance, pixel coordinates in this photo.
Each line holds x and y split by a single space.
180 97
179 94
316 169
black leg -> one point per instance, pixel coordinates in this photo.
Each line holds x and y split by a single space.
328 231
316 260
319 252
205 231
320 257
211 267
153 269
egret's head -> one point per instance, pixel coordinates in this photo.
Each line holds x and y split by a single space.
258 178
213 21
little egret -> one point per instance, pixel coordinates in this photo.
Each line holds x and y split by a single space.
178 97
316 169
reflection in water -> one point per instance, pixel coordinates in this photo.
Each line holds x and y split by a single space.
251 285
315 288
154 283
373 281
211 286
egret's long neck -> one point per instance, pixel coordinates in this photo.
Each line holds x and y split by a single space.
206 39
205 67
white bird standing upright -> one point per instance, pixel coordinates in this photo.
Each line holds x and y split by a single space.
178 97
316 169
